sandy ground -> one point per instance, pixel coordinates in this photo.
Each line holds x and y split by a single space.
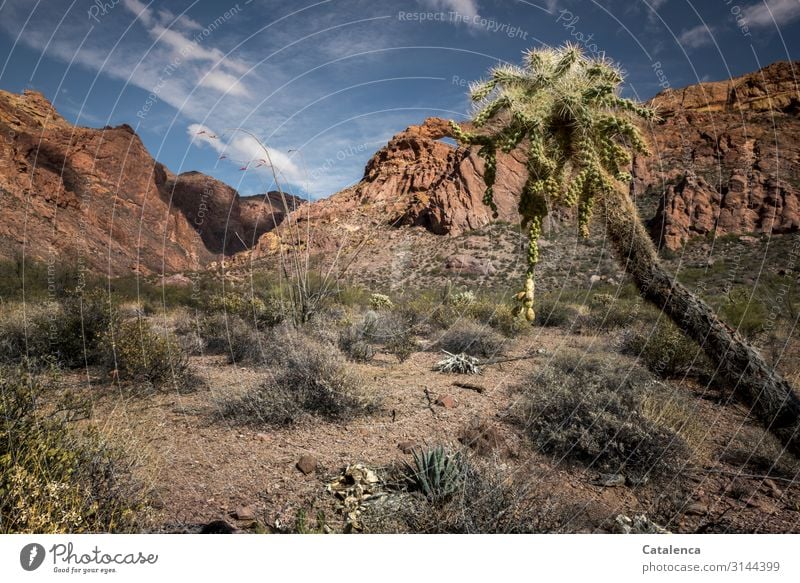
201 468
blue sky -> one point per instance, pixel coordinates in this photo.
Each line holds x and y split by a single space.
324 84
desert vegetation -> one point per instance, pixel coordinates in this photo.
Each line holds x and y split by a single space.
628 413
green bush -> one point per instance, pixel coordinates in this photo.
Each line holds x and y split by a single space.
54 479
665 350
556 314
135 352
269 311
744 313
313 378
590 411
67 332
500 317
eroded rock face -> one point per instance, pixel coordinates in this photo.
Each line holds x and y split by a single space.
726 156
80 196
436 185
95 198
416 179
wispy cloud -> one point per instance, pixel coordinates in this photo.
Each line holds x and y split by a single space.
772 12
696 37
467 8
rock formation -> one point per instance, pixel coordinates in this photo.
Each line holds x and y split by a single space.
726 157
96 199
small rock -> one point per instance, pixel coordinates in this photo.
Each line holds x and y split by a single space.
696 509
244 513
307 464
773 489
610 480
407 446
594 279
262 437
447 401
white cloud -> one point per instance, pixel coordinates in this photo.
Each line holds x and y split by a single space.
696 37
467 8
769 12
224 83
247 152
141 11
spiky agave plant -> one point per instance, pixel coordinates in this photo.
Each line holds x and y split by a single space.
566 111
436 472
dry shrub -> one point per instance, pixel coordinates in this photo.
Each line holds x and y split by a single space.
665 350
135 352
469 337
222 333
590 411
390 329
313 378
53 478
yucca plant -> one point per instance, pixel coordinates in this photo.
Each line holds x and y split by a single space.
578 134
458 364
436 472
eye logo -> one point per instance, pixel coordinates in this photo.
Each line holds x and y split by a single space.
31 556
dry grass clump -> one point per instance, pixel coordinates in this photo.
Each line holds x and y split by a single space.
756 451
470 337
313 378
391 330
53 478
590 411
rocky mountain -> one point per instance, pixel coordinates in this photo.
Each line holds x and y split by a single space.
96 198
726 157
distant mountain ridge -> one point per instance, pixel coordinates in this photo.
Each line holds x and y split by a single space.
97 198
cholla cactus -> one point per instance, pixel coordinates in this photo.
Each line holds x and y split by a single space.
463 299
565 109
380 302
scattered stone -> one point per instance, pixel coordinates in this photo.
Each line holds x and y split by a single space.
463 263
244 513
639 524
696 509
307 464
407 446
447 401
609 480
